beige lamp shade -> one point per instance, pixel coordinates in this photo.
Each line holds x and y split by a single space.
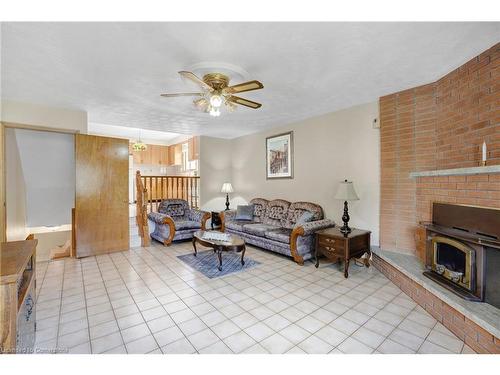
227 188
346 192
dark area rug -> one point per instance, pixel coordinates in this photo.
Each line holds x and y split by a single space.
207 262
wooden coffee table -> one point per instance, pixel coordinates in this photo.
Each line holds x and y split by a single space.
234 244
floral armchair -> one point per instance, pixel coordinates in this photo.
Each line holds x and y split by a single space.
176 221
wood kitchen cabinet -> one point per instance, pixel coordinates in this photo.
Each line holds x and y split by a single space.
175 154
164 160
171 155
166 155
193 144
155 154
142 157
178 154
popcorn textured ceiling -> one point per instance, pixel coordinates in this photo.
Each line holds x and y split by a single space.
116 71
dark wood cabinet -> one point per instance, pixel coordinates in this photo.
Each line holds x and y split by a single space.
336 246
216 221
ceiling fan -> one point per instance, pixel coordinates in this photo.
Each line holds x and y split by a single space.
216 92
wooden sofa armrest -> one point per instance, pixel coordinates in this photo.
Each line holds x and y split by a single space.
204 218
305 230
225 215
222 222
199 216
163 219
168 221
296 232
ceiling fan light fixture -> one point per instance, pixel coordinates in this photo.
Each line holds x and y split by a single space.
216 100
214 112
216 92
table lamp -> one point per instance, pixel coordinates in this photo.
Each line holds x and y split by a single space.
346 193
227 188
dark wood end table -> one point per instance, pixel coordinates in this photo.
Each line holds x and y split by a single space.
216 222
334 245
234 244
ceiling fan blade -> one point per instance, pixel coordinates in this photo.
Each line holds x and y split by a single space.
193 78
201 104
245 102
182 94
242 87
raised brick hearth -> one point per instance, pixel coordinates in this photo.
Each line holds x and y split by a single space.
464 328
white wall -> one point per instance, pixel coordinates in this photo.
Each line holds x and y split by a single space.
49 240
15 190
48 163
38 115
327 149
215 169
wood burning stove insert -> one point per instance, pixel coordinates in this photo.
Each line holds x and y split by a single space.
463 251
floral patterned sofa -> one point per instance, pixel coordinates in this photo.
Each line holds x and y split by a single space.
274 227
176 221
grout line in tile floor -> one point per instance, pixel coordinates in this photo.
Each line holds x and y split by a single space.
313 332
112 310
189 310
39 285
155 297
60 304
425 339
86 306
208 327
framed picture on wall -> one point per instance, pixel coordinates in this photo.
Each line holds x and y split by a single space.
279 156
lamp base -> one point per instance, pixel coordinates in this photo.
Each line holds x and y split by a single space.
227 202
345 229
345 218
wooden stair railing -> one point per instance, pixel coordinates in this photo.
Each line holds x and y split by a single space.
171 187
151 190
142 210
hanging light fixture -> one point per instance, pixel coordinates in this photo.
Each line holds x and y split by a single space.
214 111
138 145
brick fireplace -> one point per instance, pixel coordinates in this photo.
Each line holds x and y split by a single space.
439 126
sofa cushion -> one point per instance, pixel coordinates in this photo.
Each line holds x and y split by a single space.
280 235
186 224
244 212
237 224
258 229
174 207
297 209
276 212
259 209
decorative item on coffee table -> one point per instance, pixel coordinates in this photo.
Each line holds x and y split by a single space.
346 193
336 245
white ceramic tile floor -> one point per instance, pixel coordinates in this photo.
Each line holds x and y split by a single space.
147 301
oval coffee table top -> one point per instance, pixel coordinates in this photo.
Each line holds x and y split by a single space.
234 241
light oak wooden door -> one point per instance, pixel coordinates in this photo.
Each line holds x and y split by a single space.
101 202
